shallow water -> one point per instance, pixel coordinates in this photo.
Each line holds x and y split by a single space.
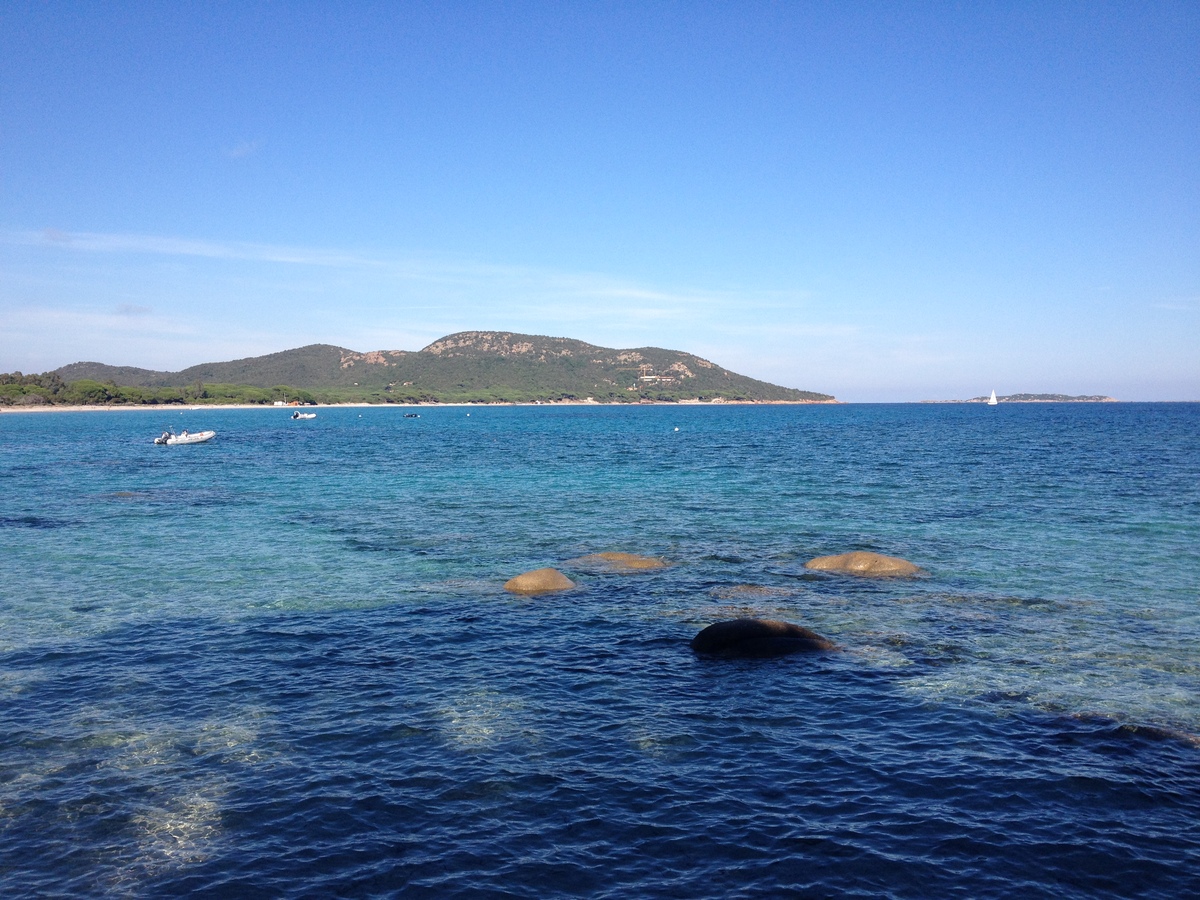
283 663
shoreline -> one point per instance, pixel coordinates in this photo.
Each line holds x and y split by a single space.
573 403
179 407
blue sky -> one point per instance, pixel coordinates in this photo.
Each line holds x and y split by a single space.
883 201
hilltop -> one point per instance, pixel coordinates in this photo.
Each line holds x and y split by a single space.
470 366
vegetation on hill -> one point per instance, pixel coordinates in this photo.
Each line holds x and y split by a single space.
316 365
50 389
468 367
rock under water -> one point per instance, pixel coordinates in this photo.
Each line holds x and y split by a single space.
621 562
539 581
862 562
749 591
757 638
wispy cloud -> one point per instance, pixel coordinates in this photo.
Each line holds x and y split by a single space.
144 339
181 247
535 285
310 294
245 148
92 324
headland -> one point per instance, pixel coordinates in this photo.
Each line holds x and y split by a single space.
470 367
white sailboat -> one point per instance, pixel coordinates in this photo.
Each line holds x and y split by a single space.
992 401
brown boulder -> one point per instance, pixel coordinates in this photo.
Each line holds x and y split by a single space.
758 637
621 562
539 581
861 562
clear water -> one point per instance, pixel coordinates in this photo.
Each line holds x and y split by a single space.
282 663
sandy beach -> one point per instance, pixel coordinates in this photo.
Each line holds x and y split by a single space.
182 408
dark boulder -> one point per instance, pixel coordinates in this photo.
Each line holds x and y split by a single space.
758 638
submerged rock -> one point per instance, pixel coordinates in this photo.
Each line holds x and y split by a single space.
758 637
1112 725
862 562
621 562
539 581
748 591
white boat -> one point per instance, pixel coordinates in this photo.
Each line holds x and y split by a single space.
184 437
992 401
299 415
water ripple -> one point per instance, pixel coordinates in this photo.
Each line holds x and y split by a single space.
287 666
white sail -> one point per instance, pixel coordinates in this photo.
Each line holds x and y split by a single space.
992 401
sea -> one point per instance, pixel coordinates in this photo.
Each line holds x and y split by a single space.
283 663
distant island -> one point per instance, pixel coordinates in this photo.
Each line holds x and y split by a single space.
1046 398
467 367
1036 398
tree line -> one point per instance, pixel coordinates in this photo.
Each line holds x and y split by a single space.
49 389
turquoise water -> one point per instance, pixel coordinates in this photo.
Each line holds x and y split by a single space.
283 662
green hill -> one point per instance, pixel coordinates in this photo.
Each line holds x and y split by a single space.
470 366
316 365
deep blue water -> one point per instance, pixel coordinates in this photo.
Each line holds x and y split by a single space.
282 663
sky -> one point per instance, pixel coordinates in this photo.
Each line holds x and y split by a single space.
882 201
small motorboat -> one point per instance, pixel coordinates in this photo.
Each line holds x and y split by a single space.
412 415
184 437
299 415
